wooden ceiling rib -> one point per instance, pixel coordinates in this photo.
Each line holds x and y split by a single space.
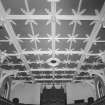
93 35
12 35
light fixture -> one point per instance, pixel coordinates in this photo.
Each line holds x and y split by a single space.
53 62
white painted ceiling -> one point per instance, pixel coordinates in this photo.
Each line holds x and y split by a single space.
52 40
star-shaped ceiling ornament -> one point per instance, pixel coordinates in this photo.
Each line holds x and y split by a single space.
4 20
40 61
53 16
9 39
75 22
18 38
87 55
101 55
69 51
51 38
3 56
18 56
95 40
76 14
72 38
97 14
36 51
66 61
50 51
8 12
87 38
34 38
31 12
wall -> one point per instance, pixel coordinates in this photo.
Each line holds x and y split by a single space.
27 93
30 94
79 91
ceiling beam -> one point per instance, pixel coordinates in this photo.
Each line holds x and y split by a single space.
56 69
49 53
12 35
93 35
47 17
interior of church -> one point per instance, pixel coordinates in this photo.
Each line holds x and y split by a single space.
52 52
